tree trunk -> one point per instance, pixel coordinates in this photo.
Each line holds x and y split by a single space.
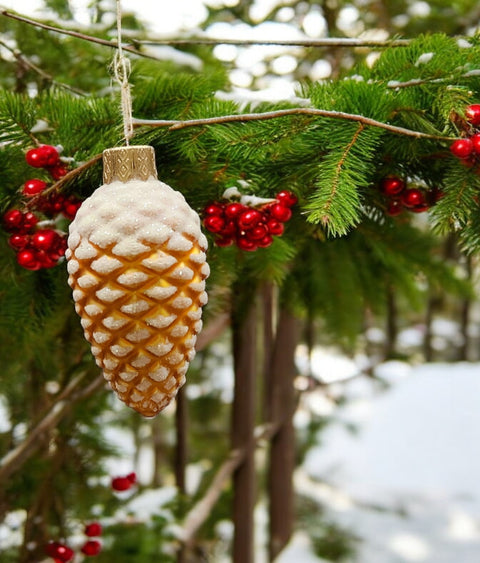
282 448
465 310
244 329
391 328
181 423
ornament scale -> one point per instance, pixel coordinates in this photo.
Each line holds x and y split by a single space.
137 266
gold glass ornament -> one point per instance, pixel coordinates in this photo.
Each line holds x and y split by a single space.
137 267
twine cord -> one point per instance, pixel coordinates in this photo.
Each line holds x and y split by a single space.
121 70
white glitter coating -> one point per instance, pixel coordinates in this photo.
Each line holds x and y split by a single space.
109 295
182 273
138 335
159 262
161 321
178 243
160 349
114 323
132 278
160 374
106 264
161 292
87 281
135 307
72 266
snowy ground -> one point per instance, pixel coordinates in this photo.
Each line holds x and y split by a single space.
406 480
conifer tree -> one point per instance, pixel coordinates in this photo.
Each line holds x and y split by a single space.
381 164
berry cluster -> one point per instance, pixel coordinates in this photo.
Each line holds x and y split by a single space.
47 157
400 197
32 236
62 553
468 147
124 483
246 225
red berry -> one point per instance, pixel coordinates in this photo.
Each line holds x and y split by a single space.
59 551
58 171
57 203
13 221
19 241
70 208
392 185
213 209
33 187
420 208
132 477
258 232
245 243
413 197
472 113
44 239
91 547
233 210
93 529
265 241
280 212
274 227
476 143
229 229
224 241
29 221
28 259
395 207
214 223
42 156
45 259
59 247
286 198
121 483
462 148
249 218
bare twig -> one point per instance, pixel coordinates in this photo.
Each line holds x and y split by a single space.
327 42
76 34
201 510
15 458
26 62
314 112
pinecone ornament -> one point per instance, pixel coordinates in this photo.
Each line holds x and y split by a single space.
137 267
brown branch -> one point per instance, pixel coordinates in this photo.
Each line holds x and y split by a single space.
67 178
173 125
15 458
75 34
327 42
26 62
201 510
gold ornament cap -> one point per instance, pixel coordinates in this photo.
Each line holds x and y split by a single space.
123 164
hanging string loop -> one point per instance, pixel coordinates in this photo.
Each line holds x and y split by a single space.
121 70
